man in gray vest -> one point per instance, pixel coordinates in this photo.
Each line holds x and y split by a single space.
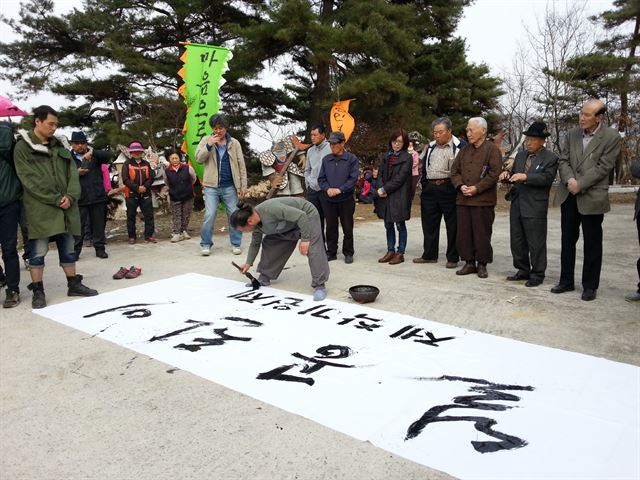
438 197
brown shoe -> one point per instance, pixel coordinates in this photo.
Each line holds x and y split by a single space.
387 257
423 260
469 268
482 271
399 258
452 264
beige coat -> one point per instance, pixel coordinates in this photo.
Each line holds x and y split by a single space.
210 162
590 168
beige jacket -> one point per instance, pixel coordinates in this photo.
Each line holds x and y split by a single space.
210 162
590 168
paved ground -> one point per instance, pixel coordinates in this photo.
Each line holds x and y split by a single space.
74 407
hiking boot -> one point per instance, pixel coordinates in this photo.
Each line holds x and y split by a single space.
77 289
38 300
11 300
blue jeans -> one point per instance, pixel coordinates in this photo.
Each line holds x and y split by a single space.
391 236
212 197
40 246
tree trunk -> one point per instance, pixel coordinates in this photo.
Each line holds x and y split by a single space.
322 86
623 122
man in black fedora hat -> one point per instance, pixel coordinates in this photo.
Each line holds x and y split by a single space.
93 199
534 170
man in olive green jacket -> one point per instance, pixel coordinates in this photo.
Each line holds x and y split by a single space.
589 154
51 189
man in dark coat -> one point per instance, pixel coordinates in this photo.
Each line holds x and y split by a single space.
534 170
337 180
589 154
10 194
93 199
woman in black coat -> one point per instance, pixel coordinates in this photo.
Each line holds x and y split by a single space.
394 188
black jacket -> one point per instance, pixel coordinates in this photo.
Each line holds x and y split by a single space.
532 196
396 206
91 182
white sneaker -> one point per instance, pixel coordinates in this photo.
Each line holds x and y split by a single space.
185 235
176 237
236 250
205 251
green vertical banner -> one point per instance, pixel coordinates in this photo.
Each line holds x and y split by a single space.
204 66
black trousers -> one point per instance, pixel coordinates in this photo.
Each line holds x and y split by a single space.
528 243
313 196
570 221
638 262
93 220
146 206
343 211
9 217
436 202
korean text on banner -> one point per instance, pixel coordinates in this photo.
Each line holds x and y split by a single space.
341 119
204 66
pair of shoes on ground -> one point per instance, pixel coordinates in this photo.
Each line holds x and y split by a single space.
588 294
471 267
75 288
11 300
392 258
530 282
132 272
431 260
133 240
178 237
206 251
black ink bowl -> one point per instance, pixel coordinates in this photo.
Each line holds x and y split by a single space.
364 293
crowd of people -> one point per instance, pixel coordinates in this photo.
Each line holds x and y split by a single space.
60 195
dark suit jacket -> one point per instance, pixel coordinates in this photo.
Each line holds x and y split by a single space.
590 168
533 195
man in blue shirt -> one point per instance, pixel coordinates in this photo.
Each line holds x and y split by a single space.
337 181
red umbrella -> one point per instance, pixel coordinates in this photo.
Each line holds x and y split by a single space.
8 109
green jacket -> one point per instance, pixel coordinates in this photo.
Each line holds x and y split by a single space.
280 215
47 173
